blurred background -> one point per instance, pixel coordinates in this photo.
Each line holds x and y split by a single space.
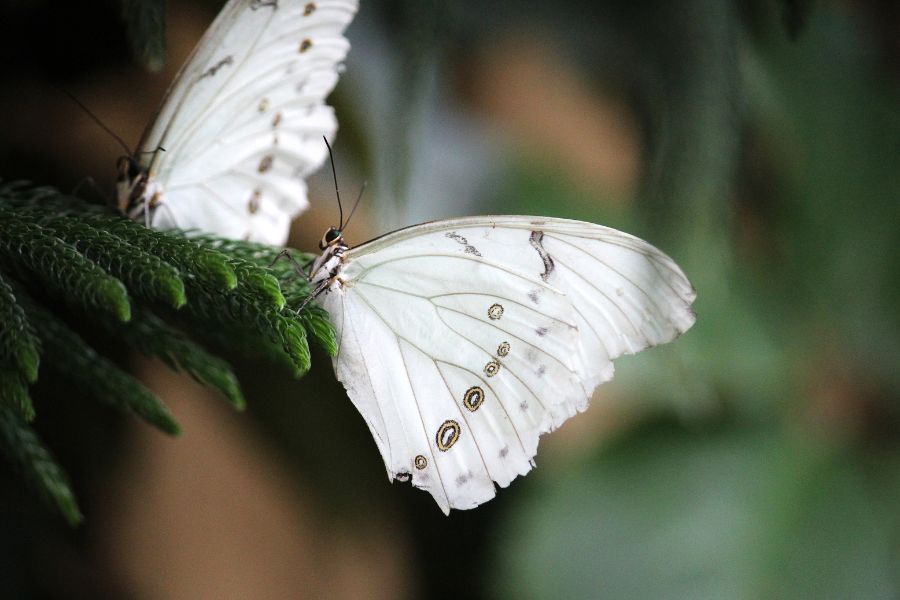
757 142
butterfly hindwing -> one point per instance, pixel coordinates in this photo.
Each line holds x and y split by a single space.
243 124
462 341
426 359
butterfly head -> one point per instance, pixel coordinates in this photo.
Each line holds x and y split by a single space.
332 237
130 182
127 167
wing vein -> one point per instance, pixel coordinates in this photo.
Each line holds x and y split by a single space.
366 270
619 273
498 297
602 293
437 466
496 395
652 257
377 402
599 337
489 355
464 418
216 194
511 335
201 118
505 366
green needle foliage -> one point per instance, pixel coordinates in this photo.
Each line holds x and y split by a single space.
143 273
150 335
256 280
285 266
24 449
31 251
68 354
284 337
212 268
14 393
63 260
19 345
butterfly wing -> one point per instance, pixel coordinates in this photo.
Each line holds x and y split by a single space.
462 341
242 126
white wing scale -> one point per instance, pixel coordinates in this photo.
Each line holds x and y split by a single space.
243 124
462 341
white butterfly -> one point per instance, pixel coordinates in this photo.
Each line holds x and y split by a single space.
462 341
243 123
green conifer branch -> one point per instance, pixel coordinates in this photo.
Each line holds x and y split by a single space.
150 335
36 254
142 273
294 285
244 315
271 257
19 345
315 320
293 341
14 392
231 291
211 267
24 449
256 281
69 355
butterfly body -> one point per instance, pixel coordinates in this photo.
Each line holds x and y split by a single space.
462 341
327 266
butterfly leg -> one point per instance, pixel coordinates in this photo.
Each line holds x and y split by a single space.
302 269
323 285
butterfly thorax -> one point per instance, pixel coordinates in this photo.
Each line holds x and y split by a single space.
327 266
136 190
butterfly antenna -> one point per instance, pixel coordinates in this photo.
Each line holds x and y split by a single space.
98 121
154 151
334 174
358 198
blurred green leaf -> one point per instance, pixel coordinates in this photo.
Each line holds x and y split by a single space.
670 514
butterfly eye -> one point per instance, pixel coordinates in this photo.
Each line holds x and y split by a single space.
331 236
128 168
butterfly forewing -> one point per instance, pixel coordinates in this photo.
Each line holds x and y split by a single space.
243 124
462 341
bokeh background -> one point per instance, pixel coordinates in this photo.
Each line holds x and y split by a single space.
755 141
